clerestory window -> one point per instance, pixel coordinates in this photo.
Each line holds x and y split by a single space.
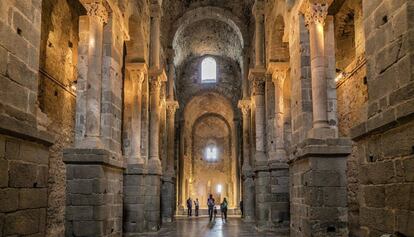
211 153
208 70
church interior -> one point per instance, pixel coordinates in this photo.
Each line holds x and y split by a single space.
113 113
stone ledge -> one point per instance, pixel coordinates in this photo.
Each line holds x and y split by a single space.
90 157
384 121
328 148
15 128
135 169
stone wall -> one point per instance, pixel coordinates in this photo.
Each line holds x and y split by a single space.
384 140
228 80
23 187
24 142
58 73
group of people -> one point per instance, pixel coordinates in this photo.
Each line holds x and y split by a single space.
212 209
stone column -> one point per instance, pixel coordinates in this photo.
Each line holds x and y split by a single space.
315 13
137 73
155 35
135 172
258 78
248 183
258 12
279 73
154 163
245 72
88 109
168 197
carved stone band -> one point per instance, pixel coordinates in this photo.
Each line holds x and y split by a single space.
96 9
315 13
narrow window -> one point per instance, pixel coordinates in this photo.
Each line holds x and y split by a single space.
211 153
208 70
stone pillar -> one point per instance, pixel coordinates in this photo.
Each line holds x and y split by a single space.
137 73
88 104
279 74
315 13
318 185
247 172
168 185
134 175
261 181
259 16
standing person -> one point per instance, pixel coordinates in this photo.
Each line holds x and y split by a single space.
210 203
197 206
241 208
189 206
223 209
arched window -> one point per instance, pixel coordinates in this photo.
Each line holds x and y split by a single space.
211 153
208 70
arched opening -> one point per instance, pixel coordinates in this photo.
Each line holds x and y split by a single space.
208 70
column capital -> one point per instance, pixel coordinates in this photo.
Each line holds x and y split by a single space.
244 106
172 106
278 70
258 8
157 78
258 78
96 9
315 11
155 9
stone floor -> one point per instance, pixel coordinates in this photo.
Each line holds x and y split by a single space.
200 227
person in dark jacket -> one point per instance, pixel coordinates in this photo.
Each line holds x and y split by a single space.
189 207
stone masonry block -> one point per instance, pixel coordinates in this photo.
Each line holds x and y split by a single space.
80 186
19 72
34 153
408 168
377 173
88 172
79 213
22 222
399 196
32 198
9 199
27 175
373 196
323 178
88 228
4 173
377 218
405 222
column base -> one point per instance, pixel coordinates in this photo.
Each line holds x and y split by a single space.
319 185
154 166
260 160
94 186
90 143
322 133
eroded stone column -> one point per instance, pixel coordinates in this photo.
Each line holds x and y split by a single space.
258 78
88 105
258 12
247 172
168 185
137 73
315 13
279 73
